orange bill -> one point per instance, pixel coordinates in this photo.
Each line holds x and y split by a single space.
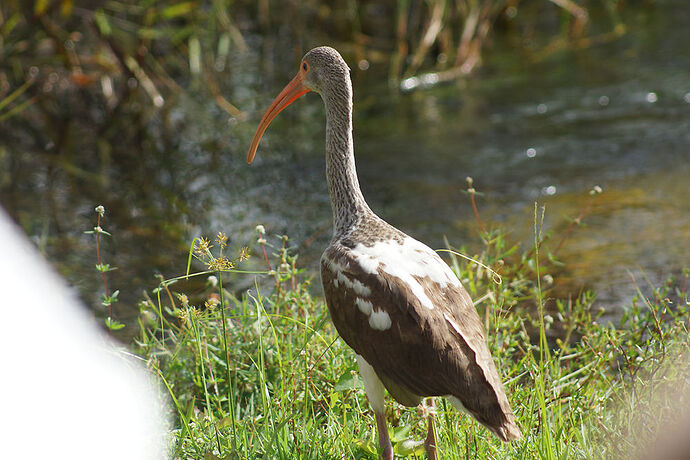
287 96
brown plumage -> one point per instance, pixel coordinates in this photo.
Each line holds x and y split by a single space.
392 299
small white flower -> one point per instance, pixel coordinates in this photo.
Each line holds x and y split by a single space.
260 229
213 281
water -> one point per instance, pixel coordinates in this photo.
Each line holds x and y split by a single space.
616 115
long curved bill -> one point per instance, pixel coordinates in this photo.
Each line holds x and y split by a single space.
287 96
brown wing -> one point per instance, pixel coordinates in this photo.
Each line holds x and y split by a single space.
419 351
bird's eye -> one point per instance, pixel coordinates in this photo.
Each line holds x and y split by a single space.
305 67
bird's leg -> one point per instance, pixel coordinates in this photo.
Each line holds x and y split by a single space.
384 440
430 441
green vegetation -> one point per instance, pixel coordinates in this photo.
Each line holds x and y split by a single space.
264 375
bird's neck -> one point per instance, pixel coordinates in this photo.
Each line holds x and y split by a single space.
347 200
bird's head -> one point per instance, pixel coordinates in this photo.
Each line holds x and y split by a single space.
319 69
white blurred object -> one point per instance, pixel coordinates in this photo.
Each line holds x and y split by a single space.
671 440
68 391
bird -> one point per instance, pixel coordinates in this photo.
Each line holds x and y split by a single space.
411 323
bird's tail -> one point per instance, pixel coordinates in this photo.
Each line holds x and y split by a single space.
508 431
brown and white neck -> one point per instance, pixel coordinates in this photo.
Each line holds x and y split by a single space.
347 200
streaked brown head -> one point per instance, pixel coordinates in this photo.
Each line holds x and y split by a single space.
318 70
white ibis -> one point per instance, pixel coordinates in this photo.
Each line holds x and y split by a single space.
392 299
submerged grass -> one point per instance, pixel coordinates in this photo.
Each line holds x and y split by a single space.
265 375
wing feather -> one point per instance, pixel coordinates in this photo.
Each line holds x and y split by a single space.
425 350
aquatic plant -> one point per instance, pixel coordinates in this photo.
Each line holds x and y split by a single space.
108 298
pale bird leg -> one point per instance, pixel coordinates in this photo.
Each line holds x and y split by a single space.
384 440
430 441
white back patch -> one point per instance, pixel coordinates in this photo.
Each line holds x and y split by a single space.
380 320
368 263
405 261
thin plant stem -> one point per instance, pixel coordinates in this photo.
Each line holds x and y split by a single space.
473 192
193 319
543 345
268 264
540 300
476 213
100 264
231 393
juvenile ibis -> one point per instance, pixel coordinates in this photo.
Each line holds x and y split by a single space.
392 299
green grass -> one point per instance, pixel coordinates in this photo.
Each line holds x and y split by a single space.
265 375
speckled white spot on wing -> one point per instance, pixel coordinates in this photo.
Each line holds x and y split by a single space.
379 320
357 286
364 306
333 265
339 270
